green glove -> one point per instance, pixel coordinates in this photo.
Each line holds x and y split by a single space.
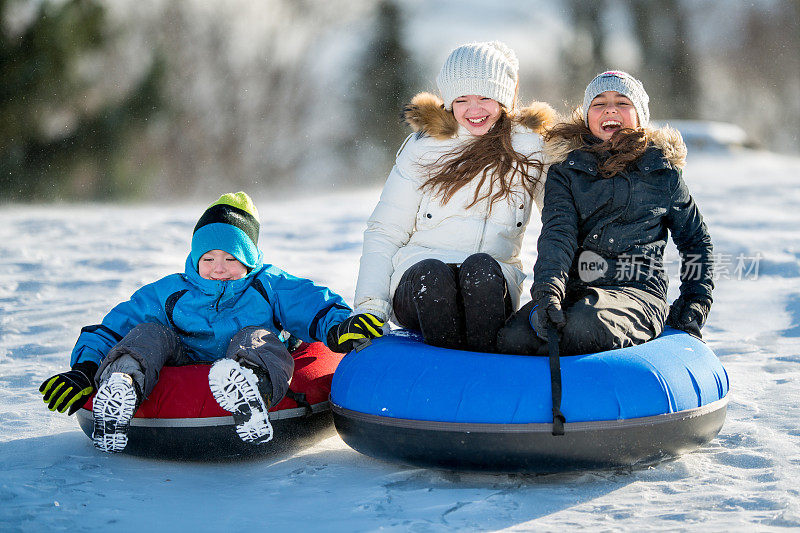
346 335
69 390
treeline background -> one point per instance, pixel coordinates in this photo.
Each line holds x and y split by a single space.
172 99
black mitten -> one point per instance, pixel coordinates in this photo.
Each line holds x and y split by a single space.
69 390
352 331
689 314
547 308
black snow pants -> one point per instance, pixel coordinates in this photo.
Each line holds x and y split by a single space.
148 347
454 306
598 319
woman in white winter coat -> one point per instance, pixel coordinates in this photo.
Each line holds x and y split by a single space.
441 249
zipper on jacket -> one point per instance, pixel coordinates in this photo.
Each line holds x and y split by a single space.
221 294
485 223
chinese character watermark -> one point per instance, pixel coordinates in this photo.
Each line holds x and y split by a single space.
691 267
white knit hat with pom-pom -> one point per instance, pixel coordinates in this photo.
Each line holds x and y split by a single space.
489 69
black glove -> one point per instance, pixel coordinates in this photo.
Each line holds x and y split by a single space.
69 390
547 308
343 337
689 314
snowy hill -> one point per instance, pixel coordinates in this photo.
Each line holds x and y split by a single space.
67 265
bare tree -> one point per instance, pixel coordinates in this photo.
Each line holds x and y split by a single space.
583 56
766 67
668 67
387 80
239 85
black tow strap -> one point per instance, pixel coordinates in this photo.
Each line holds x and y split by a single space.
300 399
555 379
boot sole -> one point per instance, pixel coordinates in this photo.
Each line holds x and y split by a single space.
113 407
236 390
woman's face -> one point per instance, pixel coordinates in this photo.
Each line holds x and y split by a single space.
476 113
609 112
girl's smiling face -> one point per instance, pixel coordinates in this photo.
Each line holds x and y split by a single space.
609 112
476 113
218 265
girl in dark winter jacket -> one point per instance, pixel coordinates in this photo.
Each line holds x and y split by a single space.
441 249
609 205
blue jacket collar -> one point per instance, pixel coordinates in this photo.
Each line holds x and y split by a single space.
219 288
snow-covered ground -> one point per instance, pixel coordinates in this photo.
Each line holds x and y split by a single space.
65 266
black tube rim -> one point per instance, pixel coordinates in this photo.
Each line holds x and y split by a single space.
211 421
539 427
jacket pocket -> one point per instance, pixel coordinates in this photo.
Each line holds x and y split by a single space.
521 204
425 218
593 196
511 213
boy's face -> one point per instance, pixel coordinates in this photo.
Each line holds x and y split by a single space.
219 265
609 112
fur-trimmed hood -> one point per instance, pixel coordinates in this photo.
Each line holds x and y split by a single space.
666 138
426 114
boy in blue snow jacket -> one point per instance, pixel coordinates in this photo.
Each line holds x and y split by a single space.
228 308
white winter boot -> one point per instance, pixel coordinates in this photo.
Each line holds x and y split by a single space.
113 407
238 389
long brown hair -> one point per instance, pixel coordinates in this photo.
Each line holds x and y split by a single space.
625 146
488 157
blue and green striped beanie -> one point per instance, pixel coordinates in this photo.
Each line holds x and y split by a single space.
229 224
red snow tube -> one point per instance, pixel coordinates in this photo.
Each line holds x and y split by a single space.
181 418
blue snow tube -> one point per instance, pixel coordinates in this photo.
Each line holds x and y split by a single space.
402 400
